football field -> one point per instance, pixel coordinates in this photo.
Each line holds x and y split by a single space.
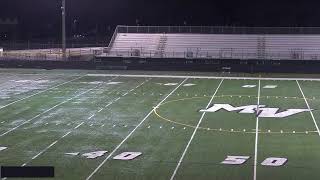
160 127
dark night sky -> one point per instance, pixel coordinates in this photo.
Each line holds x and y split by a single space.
39 16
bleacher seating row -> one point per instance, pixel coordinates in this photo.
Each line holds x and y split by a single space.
243 46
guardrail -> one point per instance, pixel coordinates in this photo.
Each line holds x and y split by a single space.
232 54
217 29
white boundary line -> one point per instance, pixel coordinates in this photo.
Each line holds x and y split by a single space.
204 77
257 136
65 135
1 107
127 137
311 113
193 134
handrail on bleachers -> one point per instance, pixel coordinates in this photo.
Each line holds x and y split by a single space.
140 41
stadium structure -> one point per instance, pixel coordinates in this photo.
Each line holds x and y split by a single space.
101 121
199 48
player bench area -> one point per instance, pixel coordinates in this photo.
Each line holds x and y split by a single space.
121 127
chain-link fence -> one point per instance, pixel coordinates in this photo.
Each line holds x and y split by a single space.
52 54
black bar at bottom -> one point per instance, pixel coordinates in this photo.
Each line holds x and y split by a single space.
27 171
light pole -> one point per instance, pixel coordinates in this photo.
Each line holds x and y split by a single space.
63 13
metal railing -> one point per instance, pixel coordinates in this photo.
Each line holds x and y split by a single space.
234 53
218 54
217 29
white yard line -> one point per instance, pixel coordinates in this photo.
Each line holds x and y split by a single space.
45 149
91 116
129 135
257 136
20 84
118 98
39 74
193 134
56 141
203 77
79 125
1 107
49 110
52 108
311 113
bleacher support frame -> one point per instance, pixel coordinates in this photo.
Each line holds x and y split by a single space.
261 64
193 63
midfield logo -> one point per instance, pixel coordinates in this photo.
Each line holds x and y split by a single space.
252 109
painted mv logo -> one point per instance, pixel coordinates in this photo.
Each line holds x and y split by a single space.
252 109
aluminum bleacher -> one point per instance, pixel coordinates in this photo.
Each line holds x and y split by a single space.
126 43
216 46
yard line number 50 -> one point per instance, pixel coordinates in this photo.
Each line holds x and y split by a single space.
271 161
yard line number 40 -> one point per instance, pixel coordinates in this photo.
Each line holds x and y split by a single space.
230 160
271 161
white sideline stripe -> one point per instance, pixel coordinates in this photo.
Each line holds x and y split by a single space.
257 136
39 92
70 132
125 139
314 120
47 111
193 134
204 77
